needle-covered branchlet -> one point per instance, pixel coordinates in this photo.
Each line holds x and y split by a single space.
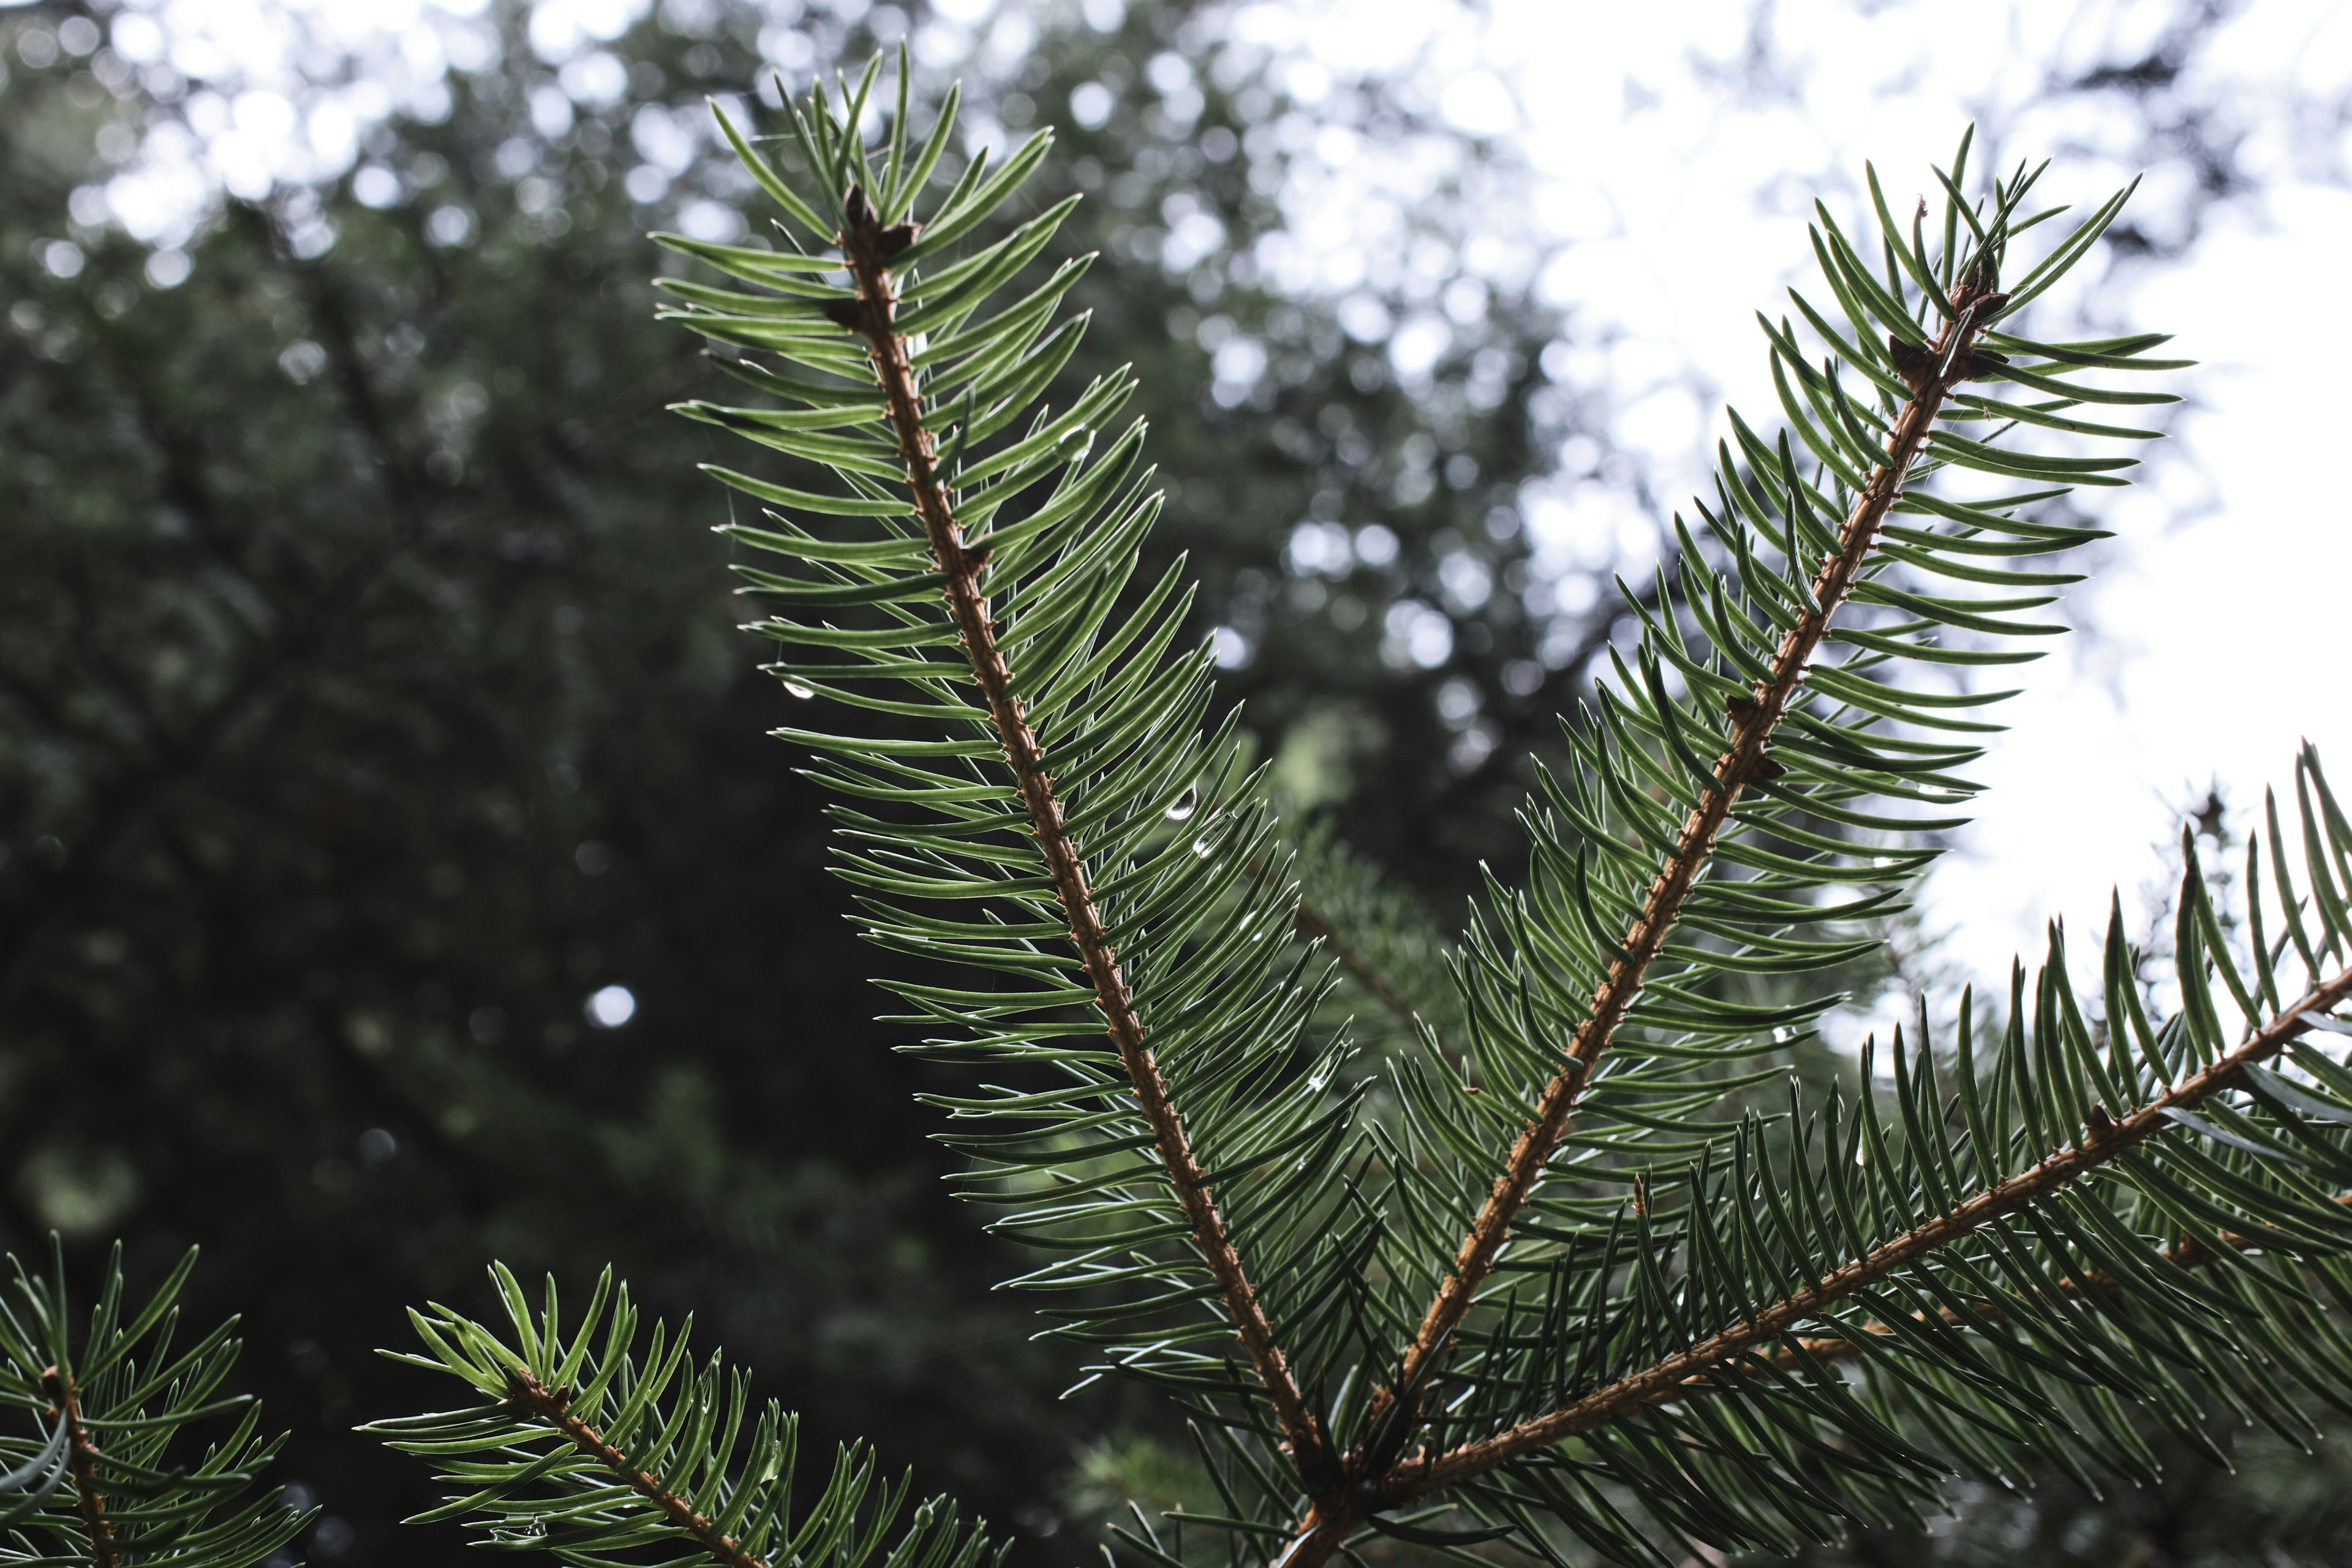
551 1407
1314 926
1743 762
1677 1376
2189 1253
1745 759
868 248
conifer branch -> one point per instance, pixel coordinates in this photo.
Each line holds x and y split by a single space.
591 1452
103 1487
868 248
1744 762
1587 958
551 1407
81 1462
2190 1252
1672 1378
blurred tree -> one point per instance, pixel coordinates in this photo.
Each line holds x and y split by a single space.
390 879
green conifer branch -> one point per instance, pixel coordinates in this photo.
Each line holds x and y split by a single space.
1949 361
869 249
2189 1252
580 1448
1606 1009
110 1484
1314 926
551 1407
1383 939
2100 1140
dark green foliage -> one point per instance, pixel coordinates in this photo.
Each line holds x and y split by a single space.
135 1459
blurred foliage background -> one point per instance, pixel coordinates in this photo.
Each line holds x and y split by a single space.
392 873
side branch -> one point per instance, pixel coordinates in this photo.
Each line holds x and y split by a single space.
81 1459
1671 1379
1311 926
554 1406
867 249
1743 761
2189 1253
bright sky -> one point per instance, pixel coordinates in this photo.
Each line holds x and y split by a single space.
1674 172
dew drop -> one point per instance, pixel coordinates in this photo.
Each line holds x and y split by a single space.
1186 804
797 689
1200 846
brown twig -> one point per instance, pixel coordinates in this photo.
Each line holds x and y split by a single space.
867 249
553 1405
81 1459
1668 1379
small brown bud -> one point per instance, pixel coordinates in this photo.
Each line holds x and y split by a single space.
1641 1195
1978 282
1764 770
861 215
1740 706
1912 363
843 312
2101 1123
896 238
1981 364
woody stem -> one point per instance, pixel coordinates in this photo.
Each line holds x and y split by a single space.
81 1461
